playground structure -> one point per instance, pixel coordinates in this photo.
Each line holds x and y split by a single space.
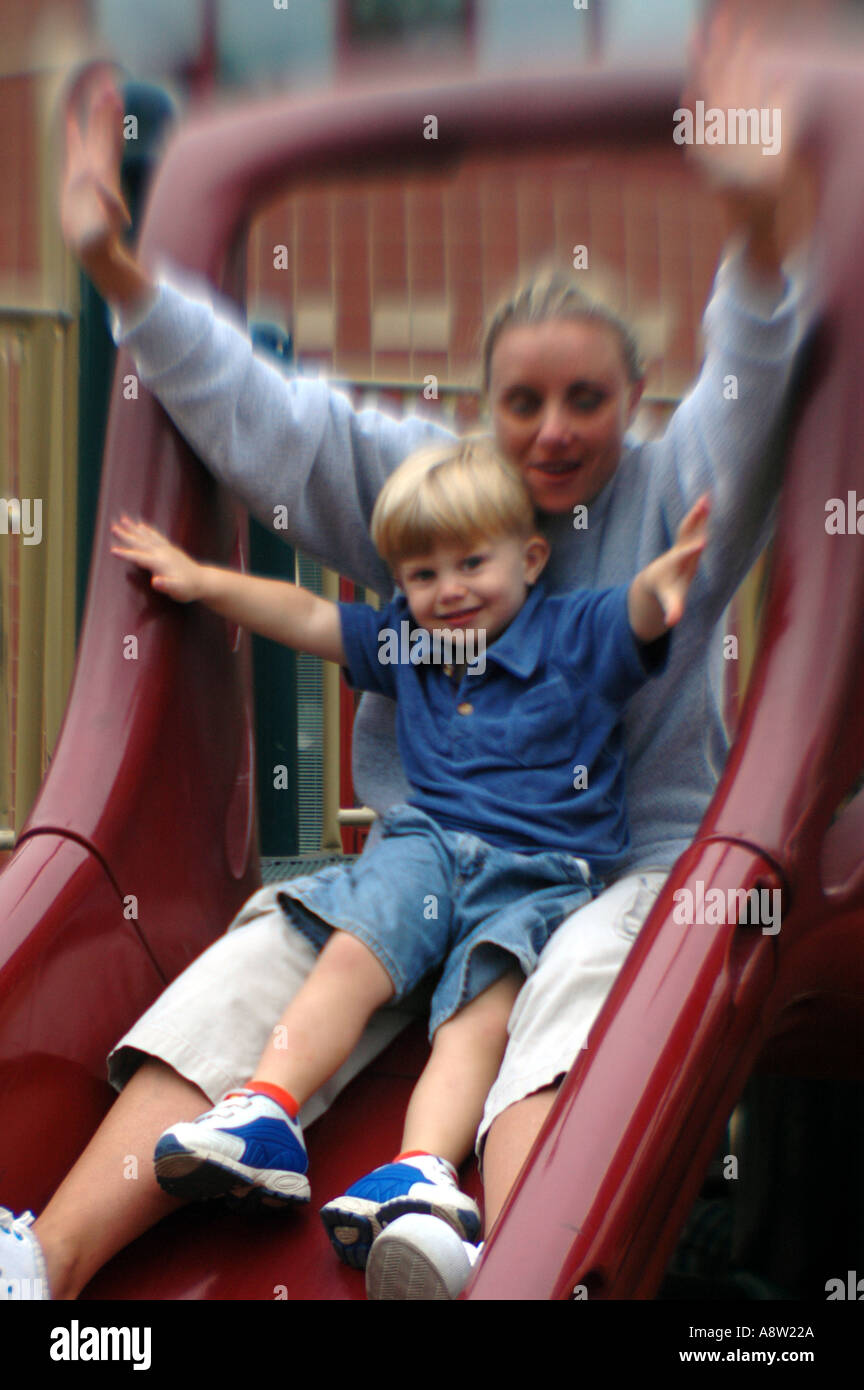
142 842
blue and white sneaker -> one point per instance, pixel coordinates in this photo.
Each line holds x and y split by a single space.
246 1147
423 1184
22 1264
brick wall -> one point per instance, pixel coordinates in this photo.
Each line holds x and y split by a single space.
390 281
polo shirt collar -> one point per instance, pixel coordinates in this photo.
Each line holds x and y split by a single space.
520 648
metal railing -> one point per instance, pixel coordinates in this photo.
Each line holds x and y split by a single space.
38 448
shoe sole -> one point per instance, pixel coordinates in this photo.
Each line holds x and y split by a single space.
398 1271
352 1224
196 1178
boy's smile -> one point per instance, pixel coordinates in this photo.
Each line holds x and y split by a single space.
482 585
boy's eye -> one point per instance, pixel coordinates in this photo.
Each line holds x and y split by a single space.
473 562
420 576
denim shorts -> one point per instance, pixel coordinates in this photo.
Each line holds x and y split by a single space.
423 896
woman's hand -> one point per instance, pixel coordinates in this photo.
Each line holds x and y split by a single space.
174 572
767 197
93 211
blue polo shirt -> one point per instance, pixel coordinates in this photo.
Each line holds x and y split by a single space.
526 751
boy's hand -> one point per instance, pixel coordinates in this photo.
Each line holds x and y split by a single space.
174 572
271 607
658 594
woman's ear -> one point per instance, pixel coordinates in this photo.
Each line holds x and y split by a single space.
635 397
535 555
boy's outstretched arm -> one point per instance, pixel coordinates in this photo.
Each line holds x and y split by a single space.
658 595
271 607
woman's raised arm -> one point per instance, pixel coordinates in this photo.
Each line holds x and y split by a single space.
292 449
722 437
93 212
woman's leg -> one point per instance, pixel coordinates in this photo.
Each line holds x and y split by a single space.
205 1016
508 1144
202 1024
111 1195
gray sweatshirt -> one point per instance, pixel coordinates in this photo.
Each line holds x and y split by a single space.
278 441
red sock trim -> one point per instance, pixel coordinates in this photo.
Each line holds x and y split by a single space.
412 1153
283 1098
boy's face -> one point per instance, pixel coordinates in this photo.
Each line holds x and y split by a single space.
480 586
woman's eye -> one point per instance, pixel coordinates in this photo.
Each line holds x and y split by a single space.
523 402
586 401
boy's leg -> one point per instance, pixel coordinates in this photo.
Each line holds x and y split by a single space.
441 1123
326 1018
213 1022
420 1258
250 1143
551 1022
447 1103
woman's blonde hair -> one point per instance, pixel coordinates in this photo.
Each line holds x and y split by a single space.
450 493
551 293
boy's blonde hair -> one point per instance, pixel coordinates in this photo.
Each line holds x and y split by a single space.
450 493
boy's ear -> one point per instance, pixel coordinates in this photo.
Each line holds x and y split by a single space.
535 555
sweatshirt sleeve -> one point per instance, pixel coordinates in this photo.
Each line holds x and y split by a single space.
722 439
275 441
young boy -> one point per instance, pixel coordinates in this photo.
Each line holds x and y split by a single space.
515 759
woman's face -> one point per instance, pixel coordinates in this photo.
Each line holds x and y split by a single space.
561 402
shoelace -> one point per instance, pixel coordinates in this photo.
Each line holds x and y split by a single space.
230 1104
12 1224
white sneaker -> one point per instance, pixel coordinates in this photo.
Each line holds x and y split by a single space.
22 1264
419 1257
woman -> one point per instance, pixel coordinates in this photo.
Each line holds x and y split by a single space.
563 385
